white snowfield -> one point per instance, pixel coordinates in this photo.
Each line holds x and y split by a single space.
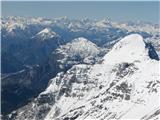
124 86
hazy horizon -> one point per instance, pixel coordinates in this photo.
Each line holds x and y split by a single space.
116 11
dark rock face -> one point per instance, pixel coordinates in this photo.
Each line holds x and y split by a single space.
18 88
151 51
40 106
9 63
25 68
30 51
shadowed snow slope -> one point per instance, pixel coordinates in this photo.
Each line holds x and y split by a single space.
124 85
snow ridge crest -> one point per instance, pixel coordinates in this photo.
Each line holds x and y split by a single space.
131 48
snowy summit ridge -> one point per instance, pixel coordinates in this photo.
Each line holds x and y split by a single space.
129 49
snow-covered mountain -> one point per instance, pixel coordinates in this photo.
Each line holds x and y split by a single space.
123 85
55 45
81 47
79 50
45 34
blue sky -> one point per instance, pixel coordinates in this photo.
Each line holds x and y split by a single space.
116 11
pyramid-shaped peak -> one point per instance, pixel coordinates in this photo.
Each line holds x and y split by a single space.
46 33
46 30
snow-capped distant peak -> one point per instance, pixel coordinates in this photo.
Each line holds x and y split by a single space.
103 23
46 30
46 33
83 45
80 47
